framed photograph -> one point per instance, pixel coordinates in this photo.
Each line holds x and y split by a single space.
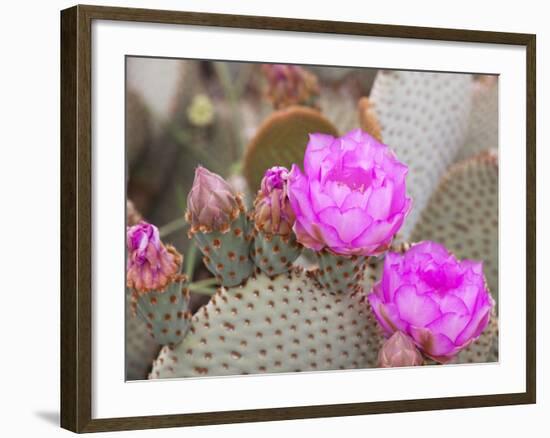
269 219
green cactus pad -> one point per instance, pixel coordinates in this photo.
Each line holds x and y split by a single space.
281 141
226 255
269 325
165 313
141 348
424 118
274 254
463 214
483 126
340 274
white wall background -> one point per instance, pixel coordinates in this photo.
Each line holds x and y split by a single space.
29 214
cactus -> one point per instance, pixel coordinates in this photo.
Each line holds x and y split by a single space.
226 253
281 140
141 347
164 312
283 324
424 119
279 324
296 321
275 246
157 289
274 254
463 213
272 316
483 125
220 227
340 273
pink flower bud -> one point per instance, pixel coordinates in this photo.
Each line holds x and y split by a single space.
399 351
212 204
272 211
290 85
151 265
274 178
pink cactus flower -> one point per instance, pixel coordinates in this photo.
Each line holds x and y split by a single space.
212 204
399 351
151 265
442 303
272 211
351 198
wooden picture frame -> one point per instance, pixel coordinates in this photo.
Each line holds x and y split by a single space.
76 226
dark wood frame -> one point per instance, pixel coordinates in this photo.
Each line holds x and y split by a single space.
76 226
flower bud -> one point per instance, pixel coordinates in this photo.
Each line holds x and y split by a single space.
399 351
272 211
151 265
212 204
290 85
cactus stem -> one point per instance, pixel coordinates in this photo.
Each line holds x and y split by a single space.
204 287
339 273
172 227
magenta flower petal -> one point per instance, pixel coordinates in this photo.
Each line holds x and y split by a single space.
356 199
335 191
306 237
441 302
348 224
316 151
449 324
451 303
380 201
387 315
319 199
351 198
435 345
379 233
419 310
476 326
299 195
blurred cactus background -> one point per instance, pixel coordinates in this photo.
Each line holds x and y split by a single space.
238 119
